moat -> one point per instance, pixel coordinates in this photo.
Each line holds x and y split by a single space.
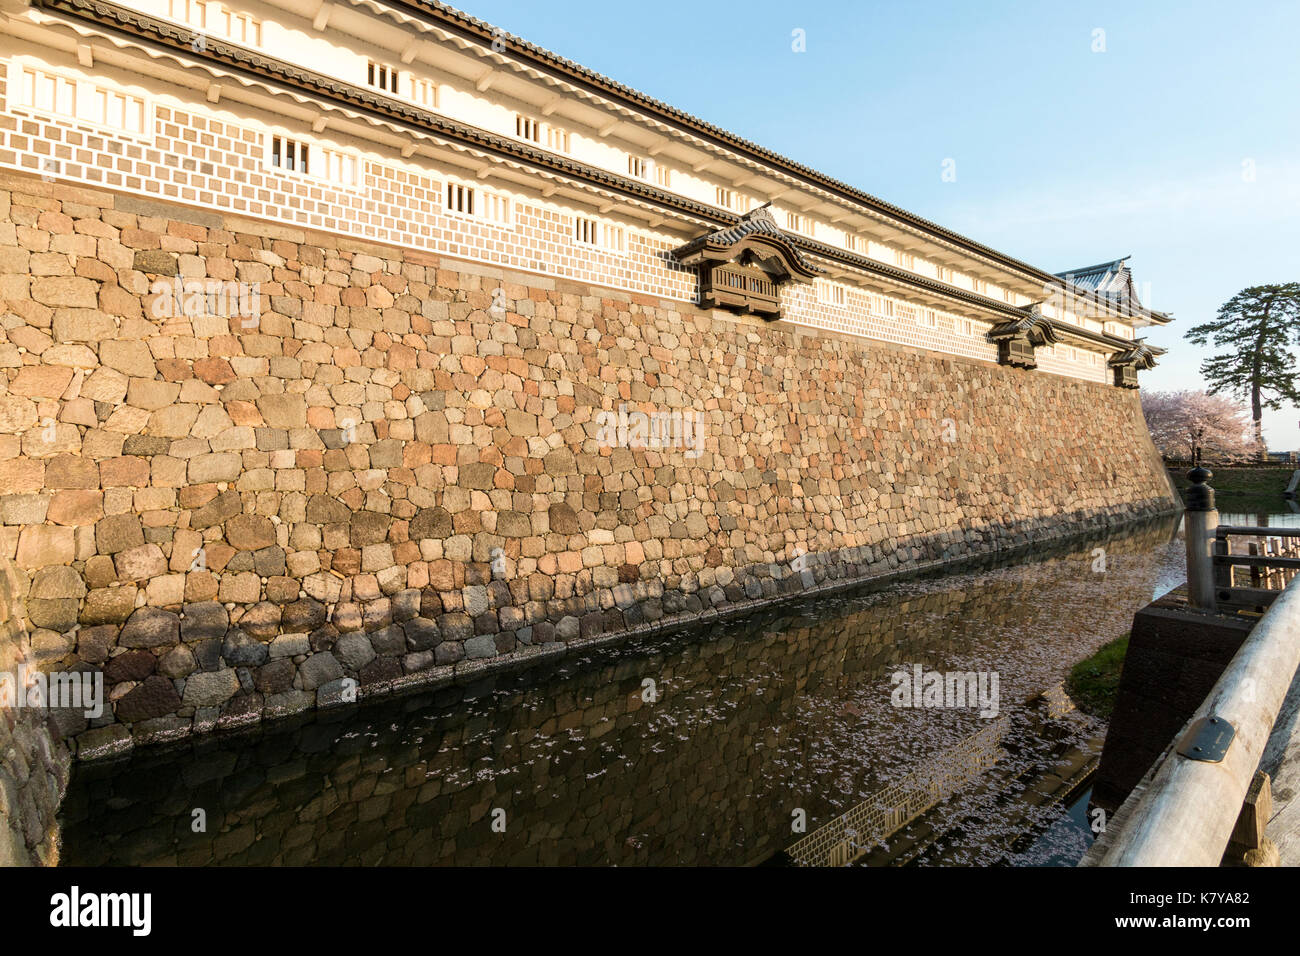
698 747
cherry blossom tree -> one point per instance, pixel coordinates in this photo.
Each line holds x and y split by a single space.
1196 425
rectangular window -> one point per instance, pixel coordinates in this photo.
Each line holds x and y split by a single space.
928 318
213 17
1009 296
289 154
460 199
339 168
324 164
944 274
382 77
636 166
470 201
526 128
904 260
966 327
586 231
424 93
852 243
981 286
725 198
831 293
496 209
795 222
244 29
193 12
46 91
117 110
663 176
604 235
557 140
81 100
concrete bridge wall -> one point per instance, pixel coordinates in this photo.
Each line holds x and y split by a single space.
398 474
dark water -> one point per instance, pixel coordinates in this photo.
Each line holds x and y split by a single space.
752 723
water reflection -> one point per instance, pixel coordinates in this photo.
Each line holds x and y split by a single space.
746 724
1257 519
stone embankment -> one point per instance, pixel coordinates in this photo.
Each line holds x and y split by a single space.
396 469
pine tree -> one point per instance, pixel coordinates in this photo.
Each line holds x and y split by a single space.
1257 329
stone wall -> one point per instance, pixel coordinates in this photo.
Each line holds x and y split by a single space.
34 761
396 474
787 709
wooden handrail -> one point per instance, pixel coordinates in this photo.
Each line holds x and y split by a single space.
1256 560
1185 814
1224 531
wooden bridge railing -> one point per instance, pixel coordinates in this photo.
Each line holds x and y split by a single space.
1188 807
1187 812
1271 560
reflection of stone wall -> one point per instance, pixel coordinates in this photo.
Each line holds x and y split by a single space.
34 762
396 474
787 708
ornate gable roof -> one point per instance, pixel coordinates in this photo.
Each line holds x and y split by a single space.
755 236
1033 325
1141 355
1113 279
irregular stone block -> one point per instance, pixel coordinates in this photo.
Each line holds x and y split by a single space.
354 651
250 532
319 669
203 620
155 697
131 666
118 533
151 627
211 689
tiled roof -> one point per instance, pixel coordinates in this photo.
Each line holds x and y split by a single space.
757 223
1032 324
1141 355
1112 279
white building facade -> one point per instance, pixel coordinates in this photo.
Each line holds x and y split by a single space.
412 124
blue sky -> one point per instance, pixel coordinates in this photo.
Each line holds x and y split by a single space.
1178 145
